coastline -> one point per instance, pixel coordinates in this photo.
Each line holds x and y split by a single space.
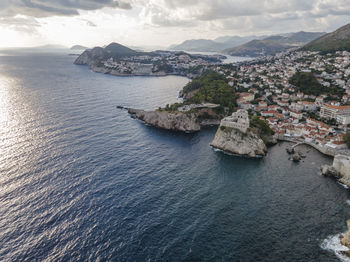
161 74
324 150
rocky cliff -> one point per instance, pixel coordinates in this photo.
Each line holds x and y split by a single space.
340 169
89 57
345 240
234 141
171 121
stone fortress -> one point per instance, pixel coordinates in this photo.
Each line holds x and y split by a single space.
238 120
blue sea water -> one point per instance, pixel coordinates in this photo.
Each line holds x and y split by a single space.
82 181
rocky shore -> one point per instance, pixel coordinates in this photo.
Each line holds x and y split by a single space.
340 169
345 239
234 141
232 137
176 121
235 136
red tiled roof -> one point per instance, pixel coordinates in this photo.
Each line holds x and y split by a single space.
338 107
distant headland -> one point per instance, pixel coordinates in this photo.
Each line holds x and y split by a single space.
119 60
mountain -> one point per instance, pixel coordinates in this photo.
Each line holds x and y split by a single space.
273 44
338 40
257 48
216 45
200 45
97 54
304 37
118 50
78 47
237 40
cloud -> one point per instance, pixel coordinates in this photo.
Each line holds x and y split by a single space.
20 23
168 21
45 8
252 13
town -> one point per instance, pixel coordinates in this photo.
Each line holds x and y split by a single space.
161 63
317 113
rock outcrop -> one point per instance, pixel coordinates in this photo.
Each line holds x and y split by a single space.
235 136
340 169
296 157
234 141
176 121
89 57
345 240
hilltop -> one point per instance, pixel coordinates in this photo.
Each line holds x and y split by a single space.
118 50
97 54
78 47
216 45
338 40
273 44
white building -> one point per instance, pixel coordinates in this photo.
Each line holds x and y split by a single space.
340 113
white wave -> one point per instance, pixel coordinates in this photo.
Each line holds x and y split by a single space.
332 243
348 202
232 154
343 185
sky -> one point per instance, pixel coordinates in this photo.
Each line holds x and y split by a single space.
160 22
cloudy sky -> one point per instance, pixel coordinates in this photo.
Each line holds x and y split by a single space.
159 22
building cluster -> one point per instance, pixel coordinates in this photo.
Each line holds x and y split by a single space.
161 61
265 90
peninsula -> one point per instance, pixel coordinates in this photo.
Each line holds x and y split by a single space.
209 100
297 96
119 60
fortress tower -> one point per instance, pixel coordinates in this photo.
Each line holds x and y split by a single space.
238 120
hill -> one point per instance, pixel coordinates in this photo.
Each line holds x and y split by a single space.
78 47
118 50
338 40
216 45
257 48
273 44
203 45
97 54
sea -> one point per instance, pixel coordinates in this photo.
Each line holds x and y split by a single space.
80 180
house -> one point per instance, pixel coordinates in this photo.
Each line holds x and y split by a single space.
263 104
268 113
308 106
340 113
296 114
282 103
246 97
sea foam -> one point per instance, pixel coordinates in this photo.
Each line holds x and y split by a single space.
332 243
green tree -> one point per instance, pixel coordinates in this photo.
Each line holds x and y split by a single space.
347 139
211 87
307 83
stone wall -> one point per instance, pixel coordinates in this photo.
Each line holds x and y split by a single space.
241 127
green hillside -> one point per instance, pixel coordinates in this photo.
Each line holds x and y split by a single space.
118 50
338 40
273 44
